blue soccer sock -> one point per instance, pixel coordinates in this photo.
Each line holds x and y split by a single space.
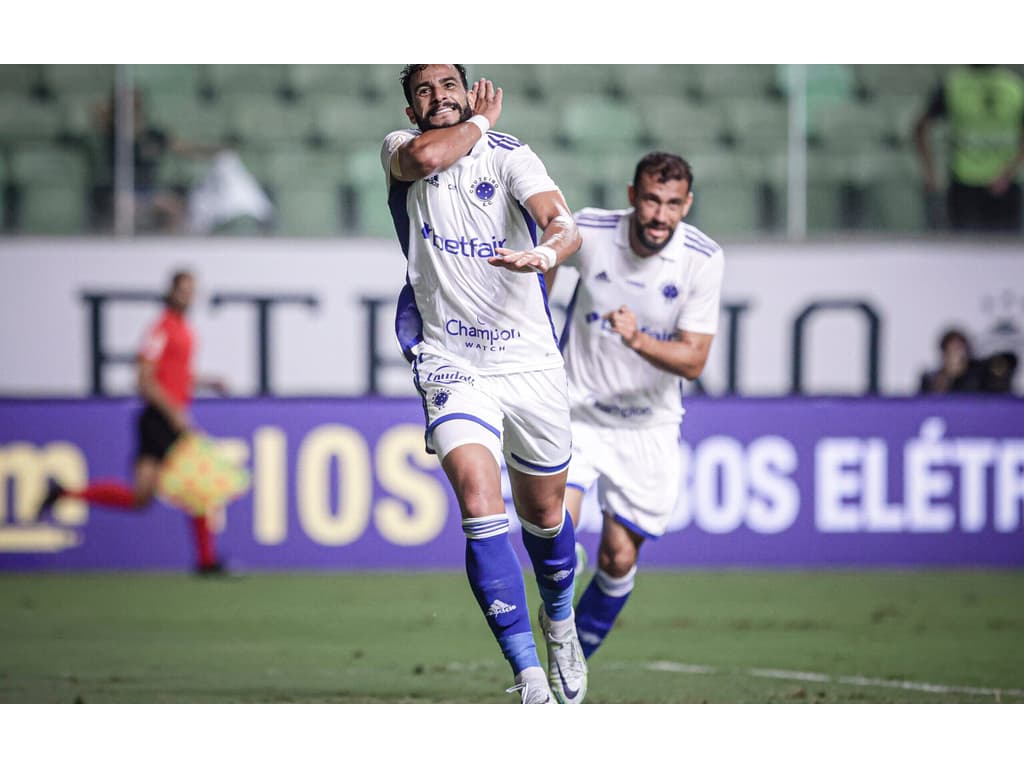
601 603
497 583
553 554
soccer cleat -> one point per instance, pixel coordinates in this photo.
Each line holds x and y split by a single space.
216 568
53 493
567 666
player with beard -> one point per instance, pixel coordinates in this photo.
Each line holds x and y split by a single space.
642 317
480 222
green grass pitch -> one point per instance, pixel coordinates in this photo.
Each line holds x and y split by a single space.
686 637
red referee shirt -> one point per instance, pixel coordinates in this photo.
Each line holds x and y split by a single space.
168 345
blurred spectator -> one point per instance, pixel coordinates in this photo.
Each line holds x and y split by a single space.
156 208
960 371
984 105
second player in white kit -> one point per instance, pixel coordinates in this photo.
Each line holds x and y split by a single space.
641 319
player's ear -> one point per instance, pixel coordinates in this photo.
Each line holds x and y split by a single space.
687 204
411 115
632 195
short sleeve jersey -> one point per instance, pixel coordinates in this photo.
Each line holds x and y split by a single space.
168 346
455 304
676 289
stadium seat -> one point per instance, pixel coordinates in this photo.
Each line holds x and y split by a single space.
560 80
900 113
68 78
830 188
188 117
168 78
897 79
306 188
51 189
352 122
23 118
517 81
259 119
3 190
310 81
727 198
851 126
758 124
592 123
227 80
683 126
383 82
20 79
728 81
894 191
635 82
533 121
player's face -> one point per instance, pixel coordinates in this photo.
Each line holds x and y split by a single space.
658 209
438 98
182 293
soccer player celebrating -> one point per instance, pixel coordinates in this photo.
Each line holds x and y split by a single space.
643 315
473 321
165 384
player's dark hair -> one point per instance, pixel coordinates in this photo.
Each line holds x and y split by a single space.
664 166
411 69
176 278
954 334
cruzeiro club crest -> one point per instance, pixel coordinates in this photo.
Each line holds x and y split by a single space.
670 292
440 399
484 189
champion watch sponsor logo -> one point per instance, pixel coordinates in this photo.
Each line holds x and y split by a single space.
460 245
498 607
484 189
483 334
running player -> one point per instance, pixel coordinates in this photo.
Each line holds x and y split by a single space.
166 383
643 315
473 321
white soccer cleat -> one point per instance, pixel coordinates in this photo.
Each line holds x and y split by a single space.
567 667
533 688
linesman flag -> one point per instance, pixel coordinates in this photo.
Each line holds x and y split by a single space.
198 477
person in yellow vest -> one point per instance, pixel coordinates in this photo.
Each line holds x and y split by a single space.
984 106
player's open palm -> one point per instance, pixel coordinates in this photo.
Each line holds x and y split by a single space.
485 100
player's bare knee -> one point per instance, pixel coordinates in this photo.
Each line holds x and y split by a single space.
616 561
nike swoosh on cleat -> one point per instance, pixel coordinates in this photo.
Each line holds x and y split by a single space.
569 692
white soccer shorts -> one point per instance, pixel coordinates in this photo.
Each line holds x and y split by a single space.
527 412
638 473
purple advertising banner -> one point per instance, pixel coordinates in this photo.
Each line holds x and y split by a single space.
345 483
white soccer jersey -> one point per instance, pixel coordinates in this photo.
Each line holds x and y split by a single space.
455 304
675 289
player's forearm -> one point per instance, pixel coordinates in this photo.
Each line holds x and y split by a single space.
437 150
675 357
562 236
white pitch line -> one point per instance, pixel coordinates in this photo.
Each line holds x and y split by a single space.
816 677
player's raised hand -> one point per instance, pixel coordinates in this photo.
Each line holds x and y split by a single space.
485 100
533 260
623 322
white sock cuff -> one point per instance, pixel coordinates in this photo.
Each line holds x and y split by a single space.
615 587
544 533
485 527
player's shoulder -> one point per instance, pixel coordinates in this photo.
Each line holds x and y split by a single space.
696 241
599 218
396 138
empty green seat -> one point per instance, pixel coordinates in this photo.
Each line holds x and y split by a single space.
727 81
24 118
560 80
188 118
313 80
354 122
532 121
641 81
758 124
51 189
830 184
594 122
168 78
895 199
898 79
681 125
20 79
852 126
229 79
727 199
264 120
517 81
91 78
